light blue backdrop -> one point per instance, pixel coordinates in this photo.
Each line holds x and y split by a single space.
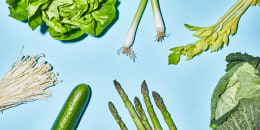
185 88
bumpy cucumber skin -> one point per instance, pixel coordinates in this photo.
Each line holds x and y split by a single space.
73 108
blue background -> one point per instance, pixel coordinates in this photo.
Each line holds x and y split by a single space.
185 88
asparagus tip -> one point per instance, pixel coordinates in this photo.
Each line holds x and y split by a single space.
144 88
116 116
136 101
156 97
117 84
111 106
110 103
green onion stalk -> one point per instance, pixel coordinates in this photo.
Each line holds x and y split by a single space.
158 20
129 39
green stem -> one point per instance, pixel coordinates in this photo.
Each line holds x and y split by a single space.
141 113
138 14
116 116
149 107
166 115
129 106
158 21
239 13
155 6
233 10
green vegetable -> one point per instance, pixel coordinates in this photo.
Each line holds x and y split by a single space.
67 19
167 116
129 39
116 116
18 9
140 111
235 58
235 103
73 108
141 120
214 36
129 106
158 21
149 106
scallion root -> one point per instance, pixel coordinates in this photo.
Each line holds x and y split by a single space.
129 52
160 36
129 39
158 21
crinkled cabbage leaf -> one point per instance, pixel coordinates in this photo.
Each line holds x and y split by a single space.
67 19
235 103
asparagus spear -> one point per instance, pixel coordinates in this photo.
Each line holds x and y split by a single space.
149 107
141 113
129 106
167 117
116 116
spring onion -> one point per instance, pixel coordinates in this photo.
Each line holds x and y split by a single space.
129 39
158 21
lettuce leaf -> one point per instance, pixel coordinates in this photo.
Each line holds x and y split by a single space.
245 116
67 19
18 9
235 100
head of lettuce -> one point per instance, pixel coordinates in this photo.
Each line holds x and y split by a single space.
67 19
235 103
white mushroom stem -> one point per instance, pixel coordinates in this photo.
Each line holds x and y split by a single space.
27 80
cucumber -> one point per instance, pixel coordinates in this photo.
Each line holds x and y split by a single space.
73 108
